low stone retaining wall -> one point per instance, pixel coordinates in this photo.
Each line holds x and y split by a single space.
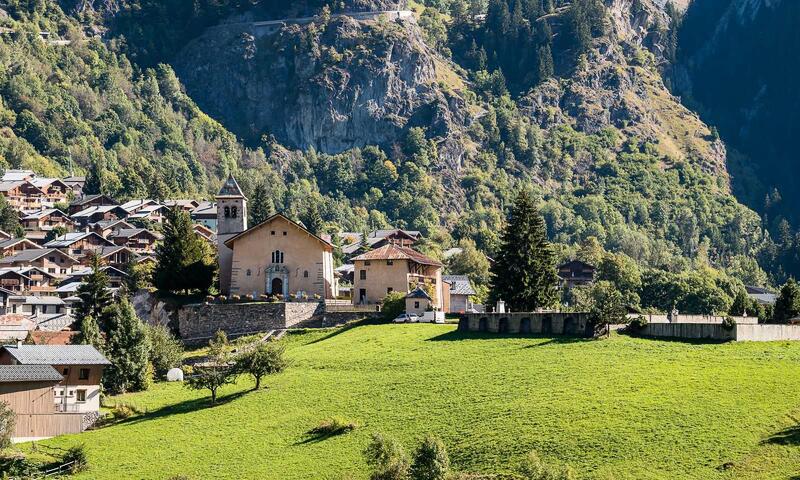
201 321
767 333
555 323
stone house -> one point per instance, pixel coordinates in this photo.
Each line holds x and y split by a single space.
461 293
50 260
418 301
279 256
80 366
395 268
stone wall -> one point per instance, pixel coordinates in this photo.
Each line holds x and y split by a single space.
554 323
710 319
691 331
767 333
199 322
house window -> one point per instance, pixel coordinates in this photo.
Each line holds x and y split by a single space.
249 272
80 395
52 259
389 290
66 372
83 374
389 262
284 234
367 263
416 304
362 274
305 274
272 232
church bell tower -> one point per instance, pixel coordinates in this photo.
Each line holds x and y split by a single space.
231 220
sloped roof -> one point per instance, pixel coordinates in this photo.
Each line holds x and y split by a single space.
56 355
42 182
17 175
91 198
274 217
69 238
29 373
13 241
43 337
419 292
32 254
459 284
53 322
230 189
43 213
396 252
132 232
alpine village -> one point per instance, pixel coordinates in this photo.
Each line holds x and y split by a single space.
399 239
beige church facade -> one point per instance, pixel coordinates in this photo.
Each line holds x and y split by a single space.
278 256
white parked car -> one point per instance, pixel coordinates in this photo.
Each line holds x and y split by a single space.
406 318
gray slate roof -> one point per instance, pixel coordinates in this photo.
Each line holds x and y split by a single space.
230 189
28 373
57 355
459 284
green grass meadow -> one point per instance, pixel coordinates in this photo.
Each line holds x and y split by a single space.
620 408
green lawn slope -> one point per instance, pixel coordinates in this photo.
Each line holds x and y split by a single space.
621 408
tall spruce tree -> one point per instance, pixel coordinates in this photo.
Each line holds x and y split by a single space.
94 180
128 349
94 294
524 274
89 334
185 262
313 220
260 205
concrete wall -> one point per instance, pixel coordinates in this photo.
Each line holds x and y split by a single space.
767 333
546 323
197 323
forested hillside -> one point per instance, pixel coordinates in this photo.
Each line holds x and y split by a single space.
738 66
432 123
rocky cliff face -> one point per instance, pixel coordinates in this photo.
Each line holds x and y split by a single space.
327 85
620 85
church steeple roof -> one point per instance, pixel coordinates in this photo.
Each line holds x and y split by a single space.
230 189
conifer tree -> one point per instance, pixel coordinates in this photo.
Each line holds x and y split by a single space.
94 294
312 219
185 262
260 205
128 349
89 334
787 306
94 180
524 274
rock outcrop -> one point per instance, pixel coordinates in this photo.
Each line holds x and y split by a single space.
331 85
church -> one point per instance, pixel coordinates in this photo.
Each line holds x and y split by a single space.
277 256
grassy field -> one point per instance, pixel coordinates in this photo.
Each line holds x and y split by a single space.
621 408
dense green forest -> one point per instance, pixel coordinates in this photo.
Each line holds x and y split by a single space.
667 221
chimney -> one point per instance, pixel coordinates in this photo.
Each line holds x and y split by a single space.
19 343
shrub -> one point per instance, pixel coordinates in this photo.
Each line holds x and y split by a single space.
166 351
222 299
532 468
122 411
18 466
210 299
77 457
430 460
387 458
235 298
728 323
264 298
637 324
8 420
249 298
333 426
393 305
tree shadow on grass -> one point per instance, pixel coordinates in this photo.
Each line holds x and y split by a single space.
788 436
457 335
187 406
346 328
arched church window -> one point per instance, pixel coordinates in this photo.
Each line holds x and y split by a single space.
227 212
233 212
305 274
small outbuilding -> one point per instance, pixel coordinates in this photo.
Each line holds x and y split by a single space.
418 301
